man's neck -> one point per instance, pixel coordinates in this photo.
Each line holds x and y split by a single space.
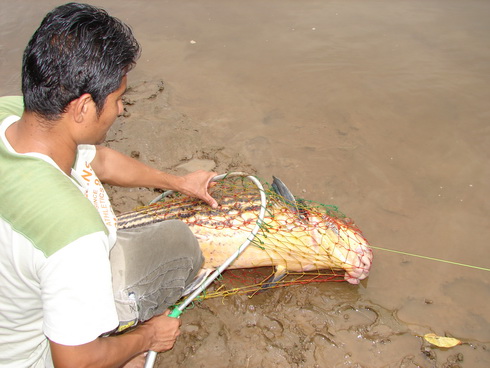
30 134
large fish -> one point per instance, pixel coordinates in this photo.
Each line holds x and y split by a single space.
296 235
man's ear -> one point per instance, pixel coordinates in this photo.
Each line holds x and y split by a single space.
81 108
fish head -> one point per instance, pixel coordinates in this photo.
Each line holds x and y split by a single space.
334 240
359 257
345 245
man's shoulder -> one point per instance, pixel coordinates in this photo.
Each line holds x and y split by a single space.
11 105
43 204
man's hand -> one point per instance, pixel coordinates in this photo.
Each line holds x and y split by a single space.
163 331
196 184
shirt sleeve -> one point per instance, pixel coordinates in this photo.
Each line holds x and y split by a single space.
76 289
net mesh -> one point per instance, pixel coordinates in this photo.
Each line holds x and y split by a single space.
302 240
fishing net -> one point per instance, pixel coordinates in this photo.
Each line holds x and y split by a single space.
299 241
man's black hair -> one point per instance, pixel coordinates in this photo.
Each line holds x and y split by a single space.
77 49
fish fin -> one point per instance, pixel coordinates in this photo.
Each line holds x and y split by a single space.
201 276
298 206
280 188
274 279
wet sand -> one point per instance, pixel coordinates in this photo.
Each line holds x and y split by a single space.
379 107
314 325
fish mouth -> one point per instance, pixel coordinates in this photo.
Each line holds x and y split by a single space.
361 267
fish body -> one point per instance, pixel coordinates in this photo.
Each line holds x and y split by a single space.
294 237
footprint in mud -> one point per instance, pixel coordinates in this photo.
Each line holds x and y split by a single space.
271 328
356 318
143 90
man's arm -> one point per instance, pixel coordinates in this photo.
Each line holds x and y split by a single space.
157 334
114 168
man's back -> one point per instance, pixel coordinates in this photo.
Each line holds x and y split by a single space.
41 212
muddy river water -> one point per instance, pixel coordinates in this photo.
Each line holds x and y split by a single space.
380 107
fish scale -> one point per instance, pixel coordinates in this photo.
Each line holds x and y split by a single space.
188 210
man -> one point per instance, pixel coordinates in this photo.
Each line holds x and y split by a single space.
61 293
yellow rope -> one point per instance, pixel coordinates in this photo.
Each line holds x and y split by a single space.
431 258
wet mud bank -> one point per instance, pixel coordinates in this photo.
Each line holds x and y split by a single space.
314 325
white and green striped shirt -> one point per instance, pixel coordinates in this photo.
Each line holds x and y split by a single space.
56 232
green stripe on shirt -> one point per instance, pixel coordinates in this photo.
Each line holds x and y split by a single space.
42 203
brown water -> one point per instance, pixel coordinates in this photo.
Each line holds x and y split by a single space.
380 107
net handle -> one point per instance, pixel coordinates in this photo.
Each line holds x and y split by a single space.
176 312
